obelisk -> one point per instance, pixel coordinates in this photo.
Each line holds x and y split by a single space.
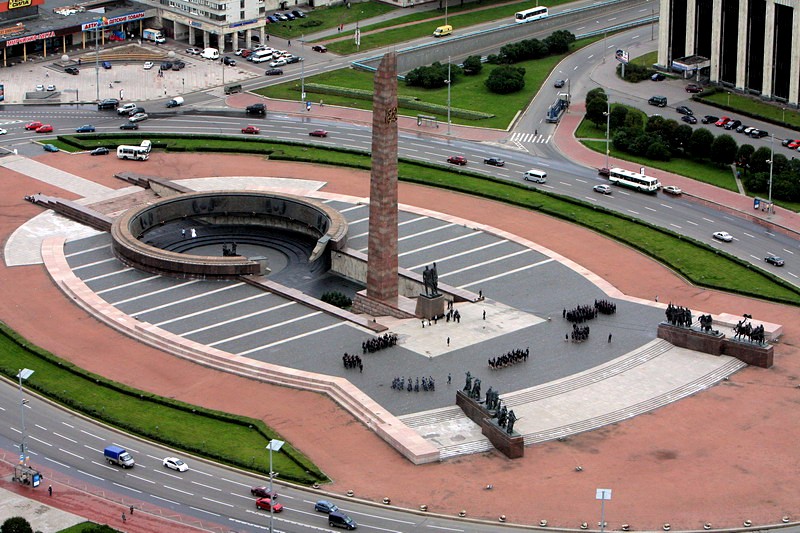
382 254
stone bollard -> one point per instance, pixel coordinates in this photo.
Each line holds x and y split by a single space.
667 527
462 513
625 527
584 525
387 501
542 523
747 523
502 518
350 493
707 526
423 508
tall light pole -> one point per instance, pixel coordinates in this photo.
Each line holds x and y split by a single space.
274 445
24 373
771 161
445 12
608 128
447 81
302 84
97 57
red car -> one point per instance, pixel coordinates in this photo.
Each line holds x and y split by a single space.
318 133
246 52
44 128
33 126
457 160
266 503
794 144
263 492
693 88
250 129
722 121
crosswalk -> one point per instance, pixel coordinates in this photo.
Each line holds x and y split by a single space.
530 138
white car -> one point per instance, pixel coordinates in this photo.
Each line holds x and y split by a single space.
40 87
602 189
175 464
278 63
193 51
148 65
51 87
723 236
238 51
673 190
261 59
138 117
3 132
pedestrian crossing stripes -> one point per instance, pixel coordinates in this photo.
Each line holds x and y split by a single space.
530 138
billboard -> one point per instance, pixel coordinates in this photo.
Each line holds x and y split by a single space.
622 56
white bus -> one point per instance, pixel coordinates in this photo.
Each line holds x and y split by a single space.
633 180
140 153
534 13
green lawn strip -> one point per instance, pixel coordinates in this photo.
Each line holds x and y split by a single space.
739 103
646 60
678 252
706 173
230 439
468 92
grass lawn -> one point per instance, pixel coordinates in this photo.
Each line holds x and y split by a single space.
468 92
751 105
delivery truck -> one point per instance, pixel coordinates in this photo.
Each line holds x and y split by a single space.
149 34
175 102
118 456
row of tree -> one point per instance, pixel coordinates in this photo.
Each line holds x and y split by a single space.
662 139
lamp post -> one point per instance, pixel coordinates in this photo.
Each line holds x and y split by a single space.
771 161
447 81
24 373
783 116
97 57
603 495
729 98
445 11
302 83
274 445
608 128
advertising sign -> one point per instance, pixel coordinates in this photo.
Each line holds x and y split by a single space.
622 56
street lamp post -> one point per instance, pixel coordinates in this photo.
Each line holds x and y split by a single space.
274 445
24 373
771 161
97 57
447 81
608 128
445 12
302 83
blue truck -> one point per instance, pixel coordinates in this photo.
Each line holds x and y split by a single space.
118 456
558 108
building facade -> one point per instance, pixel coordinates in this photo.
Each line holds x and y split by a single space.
751 45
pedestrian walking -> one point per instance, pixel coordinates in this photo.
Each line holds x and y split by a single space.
124 518
609 337
449 378
536 132
484 314
289 42
656 298
448 341
183 233
50 490
131 510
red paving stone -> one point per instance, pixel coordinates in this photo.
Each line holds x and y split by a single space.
722 456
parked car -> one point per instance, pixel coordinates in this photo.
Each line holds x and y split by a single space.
723 236
774 260
193 51
178 65
741 127
138 117
148 65
174 463
281 17
709 119
795 144
273 18
324 506
319 48
3 132
494 161
693 88
683 110
106 65
273 72
689 119
657 77
266 503
39 87
748 131
166 65
289 16
51 87
108 103
278 63
298 13
129 126
246 53
86 128
318 133
50 148
602 189
33 125
673 190
559 83
44 128
72 70
293 59
457 160
757 134
229 61
722 121
251 129
100 150
263 492
733 124
787 142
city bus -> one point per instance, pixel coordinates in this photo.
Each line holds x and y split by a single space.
633 180
528 15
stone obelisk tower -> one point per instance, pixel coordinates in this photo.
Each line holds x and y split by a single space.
382 261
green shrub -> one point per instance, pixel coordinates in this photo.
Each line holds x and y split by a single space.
337 299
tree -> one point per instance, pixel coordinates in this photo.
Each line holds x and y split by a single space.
433 76
597 92
16 524
558 42
723 150
506 79
658 151
759 161
682 135
596 111
472 65
744 154
699 143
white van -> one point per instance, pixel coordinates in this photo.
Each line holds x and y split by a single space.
210 53
137 153
536 175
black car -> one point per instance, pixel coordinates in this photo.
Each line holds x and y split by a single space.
135 111
178 65
559 83
709 119
130 126
683 110
689 119
100 150
299 14
256 109
72 70
228 61
741 128
494 161
657 77
166 65
293 59
757 134
273 72
108 103
733 124
319 48
774 260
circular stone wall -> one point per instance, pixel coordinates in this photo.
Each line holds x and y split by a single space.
259 209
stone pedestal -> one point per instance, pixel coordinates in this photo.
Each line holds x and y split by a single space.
512 446
760 355
429 306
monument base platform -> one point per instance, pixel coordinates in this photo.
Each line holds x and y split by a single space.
760 355
399 307
429 306
512 446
